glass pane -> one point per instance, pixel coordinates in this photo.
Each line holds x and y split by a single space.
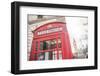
54 55
53 44
60 54
35 56
41 45
59 42
41 56
36 48
46 55
48 44
50 55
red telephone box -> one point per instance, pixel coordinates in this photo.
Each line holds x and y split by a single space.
51 42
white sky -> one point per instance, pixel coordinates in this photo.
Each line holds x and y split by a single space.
76 29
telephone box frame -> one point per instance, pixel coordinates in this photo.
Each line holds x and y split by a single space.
63 35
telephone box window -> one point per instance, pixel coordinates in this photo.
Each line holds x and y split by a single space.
54 55
48 44
41 56
41 45
35 56
46 55
59 42
36 48
60 54
53 44
50 55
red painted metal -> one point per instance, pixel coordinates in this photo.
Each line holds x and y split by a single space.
47 32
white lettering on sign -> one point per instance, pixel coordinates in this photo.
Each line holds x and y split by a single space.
49 31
